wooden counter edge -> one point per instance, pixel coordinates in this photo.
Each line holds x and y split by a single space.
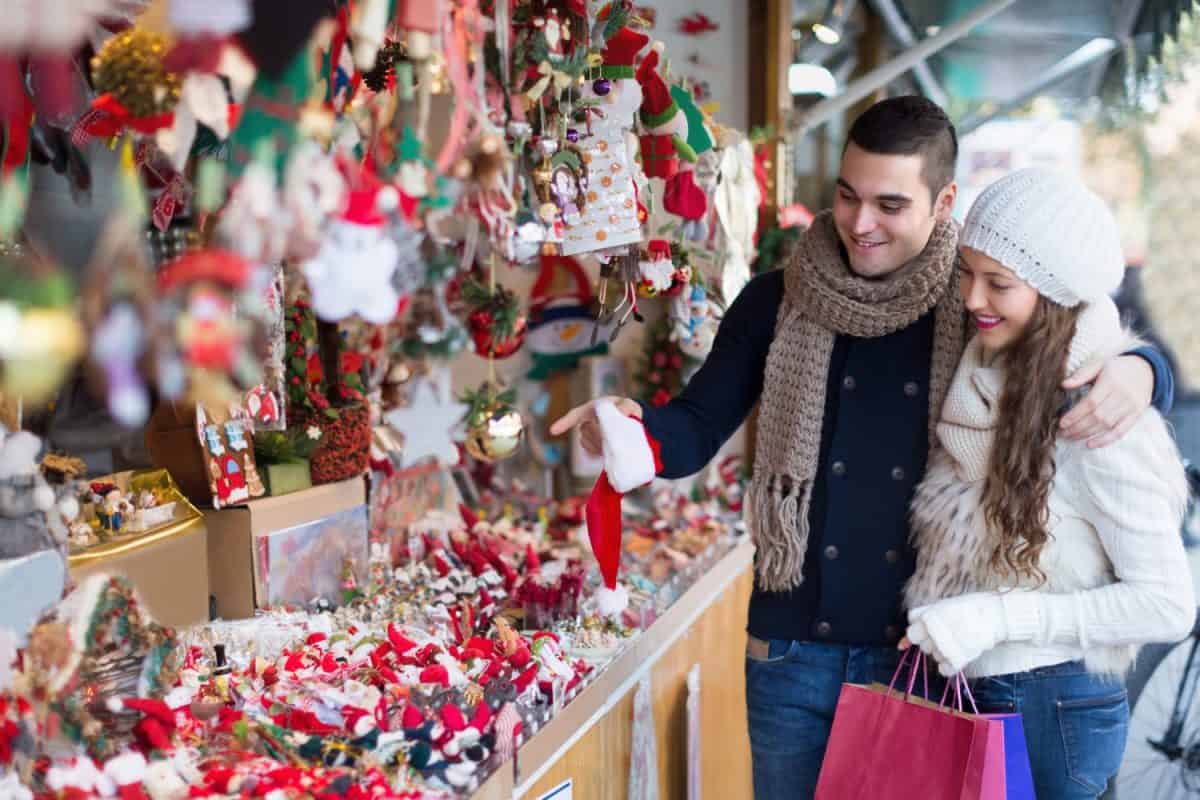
622 675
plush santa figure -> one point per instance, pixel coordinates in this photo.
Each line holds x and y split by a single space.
665 129
631 460
658 271
354 270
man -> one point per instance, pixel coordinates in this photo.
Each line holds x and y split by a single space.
850 348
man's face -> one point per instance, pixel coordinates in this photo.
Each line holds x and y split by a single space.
883 212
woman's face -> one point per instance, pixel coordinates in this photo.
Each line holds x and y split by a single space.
1000 303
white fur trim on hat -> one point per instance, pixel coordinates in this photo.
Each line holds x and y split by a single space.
1050 230
612 603
628 459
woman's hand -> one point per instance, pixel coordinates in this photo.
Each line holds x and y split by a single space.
957 630
1122 389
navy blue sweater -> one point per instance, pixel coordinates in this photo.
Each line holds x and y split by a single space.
874 442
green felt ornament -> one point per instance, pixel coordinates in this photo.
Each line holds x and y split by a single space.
698 138
271 114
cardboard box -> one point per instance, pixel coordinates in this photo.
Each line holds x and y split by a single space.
233 534
169 569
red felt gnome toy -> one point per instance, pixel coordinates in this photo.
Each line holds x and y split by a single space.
665 151
631 460
664 139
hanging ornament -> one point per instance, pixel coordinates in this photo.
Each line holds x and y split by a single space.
694 322
137 92
426 426
382 76
495 428
496 322
562 329
665 128
120 314
354 270
657 269
211 301
40 336
610 219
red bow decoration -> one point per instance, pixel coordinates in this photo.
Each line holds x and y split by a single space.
108 117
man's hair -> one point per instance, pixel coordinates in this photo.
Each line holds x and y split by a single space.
910 125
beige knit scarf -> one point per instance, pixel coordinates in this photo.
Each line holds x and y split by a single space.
823 298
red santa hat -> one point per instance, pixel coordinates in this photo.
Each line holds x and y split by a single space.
631 460
658 107
620 52
658 249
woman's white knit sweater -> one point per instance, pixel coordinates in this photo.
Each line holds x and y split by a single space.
1117 575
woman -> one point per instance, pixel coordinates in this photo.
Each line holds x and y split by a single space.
1043 564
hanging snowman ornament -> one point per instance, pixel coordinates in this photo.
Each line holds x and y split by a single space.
610 218
353 272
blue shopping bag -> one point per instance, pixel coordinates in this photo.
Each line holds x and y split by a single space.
1018 774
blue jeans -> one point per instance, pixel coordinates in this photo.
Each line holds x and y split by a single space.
1075 725
790 699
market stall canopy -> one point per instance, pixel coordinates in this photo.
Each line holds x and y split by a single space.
1007 56
1070 50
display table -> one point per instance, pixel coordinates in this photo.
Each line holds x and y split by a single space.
589 742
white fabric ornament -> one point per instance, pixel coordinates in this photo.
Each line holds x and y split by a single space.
352 273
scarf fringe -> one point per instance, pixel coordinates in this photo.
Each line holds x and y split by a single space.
776 514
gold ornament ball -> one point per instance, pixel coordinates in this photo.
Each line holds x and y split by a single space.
44 346
495 435
129 66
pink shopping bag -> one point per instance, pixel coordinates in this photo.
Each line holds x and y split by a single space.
887 744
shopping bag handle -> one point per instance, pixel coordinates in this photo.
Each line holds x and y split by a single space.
961 687
918 665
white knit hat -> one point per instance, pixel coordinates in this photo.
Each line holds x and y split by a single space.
1050 230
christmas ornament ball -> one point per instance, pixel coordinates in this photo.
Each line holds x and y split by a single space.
495 434
130 67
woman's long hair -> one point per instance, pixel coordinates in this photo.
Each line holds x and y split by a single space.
1016 491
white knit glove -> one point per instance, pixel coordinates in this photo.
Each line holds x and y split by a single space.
958 630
